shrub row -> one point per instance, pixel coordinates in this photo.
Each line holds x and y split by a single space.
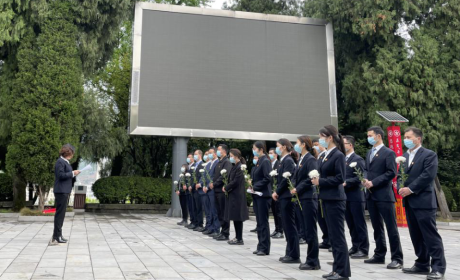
6 187
136 190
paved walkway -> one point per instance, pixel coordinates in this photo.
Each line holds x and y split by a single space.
146 246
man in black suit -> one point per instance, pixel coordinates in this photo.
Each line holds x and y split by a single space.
419 199
326 244
381 169
63 177
190 200
356 202
196 185
217 185
278 233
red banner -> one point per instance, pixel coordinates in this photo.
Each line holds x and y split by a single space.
395 143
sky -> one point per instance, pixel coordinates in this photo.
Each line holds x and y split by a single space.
217 4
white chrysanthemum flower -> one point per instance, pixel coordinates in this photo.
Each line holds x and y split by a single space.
287 174
244 167
223 171
400 160
187 175
175 183
274 173
313 174
201 170
181 175
353 164
246 176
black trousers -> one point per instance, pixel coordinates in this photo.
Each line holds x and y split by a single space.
61 206
238 229
334 211
277 216
190 203
198 209
323 226
290 230
380 213
183 206
426 239
299 221
310 217
262 208
220 205
356 222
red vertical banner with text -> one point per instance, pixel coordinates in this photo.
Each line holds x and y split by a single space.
395 143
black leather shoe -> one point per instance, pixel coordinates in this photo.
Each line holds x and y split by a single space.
324 246
282 258
416 270
352 251
435 275
302 241
359 255
191 226
64 239
206 232
373 260
214 234
337 277
330 250
260 253
255 252
222 238
199 229
278 235
273 233
59 240
219 235
305 266
253 230
329 274
290 260
236 242
181 223
395 265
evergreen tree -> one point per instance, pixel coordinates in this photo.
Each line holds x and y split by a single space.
48 91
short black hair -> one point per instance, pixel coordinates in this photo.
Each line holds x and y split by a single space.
417 131
225 147
315 141
377 130
350 139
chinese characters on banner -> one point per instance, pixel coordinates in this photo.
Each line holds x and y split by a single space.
394 143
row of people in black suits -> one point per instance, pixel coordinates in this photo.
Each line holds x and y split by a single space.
204 187
339 198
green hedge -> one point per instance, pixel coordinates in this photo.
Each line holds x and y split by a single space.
136 190
6 187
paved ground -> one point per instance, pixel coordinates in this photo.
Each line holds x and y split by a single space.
154 247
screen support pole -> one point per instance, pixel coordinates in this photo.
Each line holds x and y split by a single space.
179 156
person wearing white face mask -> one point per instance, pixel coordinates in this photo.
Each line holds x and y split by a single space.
381 169
182 193
278 233
419 199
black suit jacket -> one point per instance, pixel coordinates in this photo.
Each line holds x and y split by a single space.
421 174
261 180
303 185
63 176
353 188
218 179
197 177
381 171
287 165
332 176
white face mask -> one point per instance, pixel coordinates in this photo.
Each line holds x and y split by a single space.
182 169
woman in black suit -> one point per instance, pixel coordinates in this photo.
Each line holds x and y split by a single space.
182 193
236 208
308 199
283 195
261 182
333 199
63 177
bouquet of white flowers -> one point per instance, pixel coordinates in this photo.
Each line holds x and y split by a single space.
314 174
287 175
400 161
274 175
358 173
247 177
224 174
